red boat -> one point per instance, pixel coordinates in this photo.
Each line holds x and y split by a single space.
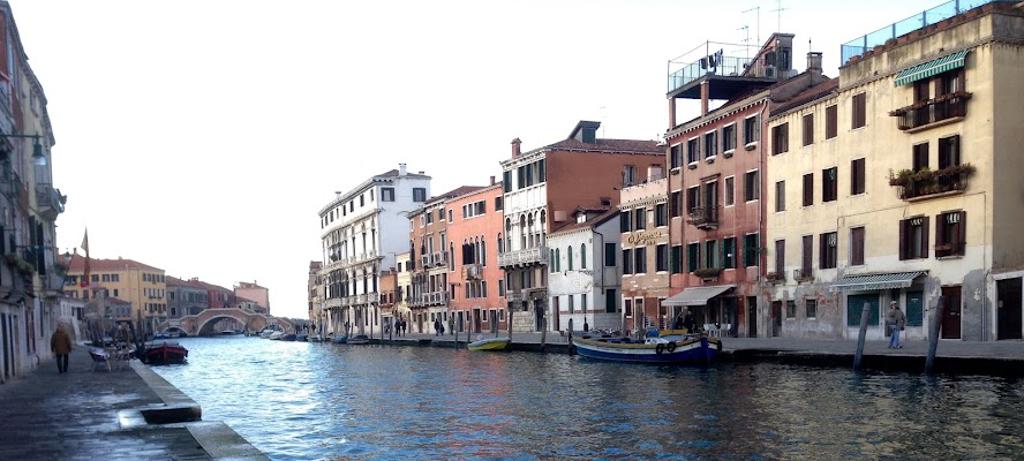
164 353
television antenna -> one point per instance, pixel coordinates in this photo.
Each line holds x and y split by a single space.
779 11
757 12
746 41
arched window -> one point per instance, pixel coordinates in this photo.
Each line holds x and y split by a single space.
552 265
558 260
483 252
568 251
501 244
522 231
583 256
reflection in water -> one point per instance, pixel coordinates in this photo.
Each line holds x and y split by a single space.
323 401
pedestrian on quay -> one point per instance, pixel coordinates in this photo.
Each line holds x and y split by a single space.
895 321
437 327
688 321
404 326
60 345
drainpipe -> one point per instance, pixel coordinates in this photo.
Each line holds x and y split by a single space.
601 265
761 228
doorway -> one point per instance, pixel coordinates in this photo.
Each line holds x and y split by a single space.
476 320
1008 314
951 313
776 318
751 317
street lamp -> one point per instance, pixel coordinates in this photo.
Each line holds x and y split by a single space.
38 158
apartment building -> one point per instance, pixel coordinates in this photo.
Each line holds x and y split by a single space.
647 259
185 297
475 239
253 291
583 272
431 249
897 182
716 163
362 231
542 188
388 296
142 285
403 292
315 298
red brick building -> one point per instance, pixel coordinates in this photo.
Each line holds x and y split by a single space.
477 282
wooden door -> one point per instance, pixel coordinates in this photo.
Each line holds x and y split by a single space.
1008 315
951 313
751 317
776 318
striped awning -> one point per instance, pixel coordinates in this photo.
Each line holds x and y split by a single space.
932 68
873 282
696 296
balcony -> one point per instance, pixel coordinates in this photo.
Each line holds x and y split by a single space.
912 186
704 217
934 112
472 272
538 255
49 201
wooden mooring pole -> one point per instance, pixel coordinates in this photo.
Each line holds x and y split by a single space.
934 329
862 336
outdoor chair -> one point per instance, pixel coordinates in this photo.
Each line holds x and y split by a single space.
100 359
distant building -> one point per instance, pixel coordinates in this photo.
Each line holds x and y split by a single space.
646 259
218 297
403 292
253 291
388 295
185 297
315 291
477 297
142 285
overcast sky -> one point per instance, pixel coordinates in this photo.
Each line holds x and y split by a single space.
202 136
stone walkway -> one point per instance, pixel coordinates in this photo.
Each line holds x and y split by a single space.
52 416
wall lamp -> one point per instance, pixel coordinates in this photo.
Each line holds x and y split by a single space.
38 157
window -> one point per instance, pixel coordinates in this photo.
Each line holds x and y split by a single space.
857 246
627 307
624 221
831 121
661 258
627 261
660 215
506 181
498 204
750 250
583 302
780 258
362 200
730 191
711 144
419 194
808 189
692 151
751 130
791 309
692 257
780 196
950 233
780 139
729 253
640 218
692 199
829 184
859 110
583 256
572 302
949 152
857 173
752 187
710 254
808 129
729 138
674 204
950 82
676 261
640 260
810 308
914 238
675 156
609 255
920 156
806 255
829 243
628 175
610 298
922 90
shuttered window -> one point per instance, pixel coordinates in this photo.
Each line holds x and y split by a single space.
807 255
950 233
859 110
780 257
828 242
857 178
780 196
780 139
857 246
920 156
808 189
829 184
914 238
808 129
831 121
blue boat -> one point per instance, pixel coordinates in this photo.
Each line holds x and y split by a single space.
340 339
671 348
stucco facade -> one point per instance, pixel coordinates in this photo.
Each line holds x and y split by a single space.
645 284
583 274
475 232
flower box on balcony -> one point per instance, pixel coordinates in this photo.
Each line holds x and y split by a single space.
925 182
774 278
708 272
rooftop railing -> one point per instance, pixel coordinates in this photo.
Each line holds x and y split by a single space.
862 44
729 66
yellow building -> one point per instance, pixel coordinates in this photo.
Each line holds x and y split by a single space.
899 181
140 284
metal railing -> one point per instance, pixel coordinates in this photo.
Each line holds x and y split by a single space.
471 271
862 44
932 111
537 255
938 183
729 66
704 217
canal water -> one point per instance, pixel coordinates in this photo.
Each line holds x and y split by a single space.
322 401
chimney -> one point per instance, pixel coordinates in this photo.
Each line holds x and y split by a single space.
515 147
337 194
814 62
492 180
401 169
705 96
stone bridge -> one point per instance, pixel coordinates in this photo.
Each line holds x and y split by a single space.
202 323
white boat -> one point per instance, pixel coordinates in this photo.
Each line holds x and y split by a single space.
266 333
277 335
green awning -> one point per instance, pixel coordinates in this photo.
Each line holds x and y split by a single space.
873 282
932 68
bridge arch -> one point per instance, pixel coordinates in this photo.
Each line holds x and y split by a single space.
251 321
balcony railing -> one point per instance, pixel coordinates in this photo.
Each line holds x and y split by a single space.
704 217
729 66
538 255
49 201
925 113
913 186
471 272
949 249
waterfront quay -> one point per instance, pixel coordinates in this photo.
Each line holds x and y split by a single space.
87 414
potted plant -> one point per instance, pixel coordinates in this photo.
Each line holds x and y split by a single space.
708 272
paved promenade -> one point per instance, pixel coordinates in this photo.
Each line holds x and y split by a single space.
46 415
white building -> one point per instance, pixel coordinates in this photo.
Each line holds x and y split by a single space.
583 283
362 232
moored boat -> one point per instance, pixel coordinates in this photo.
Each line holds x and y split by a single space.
265 334
489 344
288 337
340 339
359 339
302 337
314 339
276 335
658 349
163 353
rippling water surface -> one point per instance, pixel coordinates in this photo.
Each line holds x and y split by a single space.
323 401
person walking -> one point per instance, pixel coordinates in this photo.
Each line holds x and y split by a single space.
60 345
895 321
